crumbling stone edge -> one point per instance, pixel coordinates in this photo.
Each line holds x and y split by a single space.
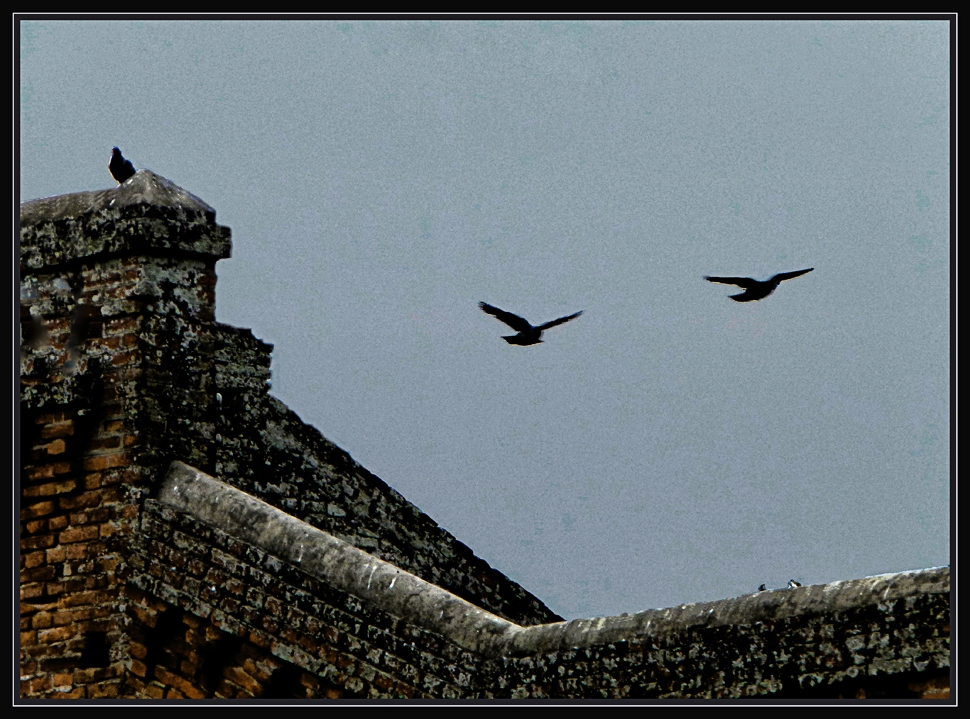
186 489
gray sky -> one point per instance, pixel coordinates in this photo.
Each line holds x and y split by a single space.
670 445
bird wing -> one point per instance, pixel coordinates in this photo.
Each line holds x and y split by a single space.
782 276
514 321
745 282
547 325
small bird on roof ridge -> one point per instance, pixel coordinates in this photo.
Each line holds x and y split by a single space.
756 289
528 335
120 168
792 584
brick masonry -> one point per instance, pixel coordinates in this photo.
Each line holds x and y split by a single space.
125 593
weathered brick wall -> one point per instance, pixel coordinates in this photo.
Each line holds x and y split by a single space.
123 370
318 482
329 643
124 594
826 641
94 429
251 571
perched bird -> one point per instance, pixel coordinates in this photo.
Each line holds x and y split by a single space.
762 588
756 289
528 335
120 168
792 584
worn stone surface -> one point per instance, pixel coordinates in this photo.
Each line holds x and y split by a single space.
146 215
123 370
831 640
323 582
327 558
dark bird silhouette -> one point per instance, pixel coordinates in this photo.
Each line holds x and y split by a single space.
792 584
120 168
528 335
762 588
756 289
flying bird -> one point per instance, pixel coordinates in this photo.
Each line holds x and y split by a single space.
792 584
528 335
120 168
756 289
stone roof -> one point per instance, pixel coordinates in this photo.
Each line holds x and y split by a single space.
421 603
143 188
148 214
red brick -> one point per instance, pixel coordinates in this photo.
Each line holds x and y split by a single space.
41 620
96 463
37 574
37 509
29 591
123 358
90 675
78 534
108 442
36 527
121 459
44 471
97 582
145 616
86 598
155 691
56 555
57 522
178 683
43 540
56 634
240 677
45 490
81 551
92 481
33 559
57 429
98 514
36 685
56 447
102 690
83 615
105 461
80 501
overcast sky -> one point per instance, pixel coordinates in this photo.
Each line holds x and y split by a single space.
668 446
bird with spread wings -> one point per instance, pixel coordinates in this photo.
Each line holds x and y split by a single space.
756 289
528 335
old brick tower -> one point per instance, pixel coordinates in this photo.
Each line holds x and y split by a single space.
184 534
